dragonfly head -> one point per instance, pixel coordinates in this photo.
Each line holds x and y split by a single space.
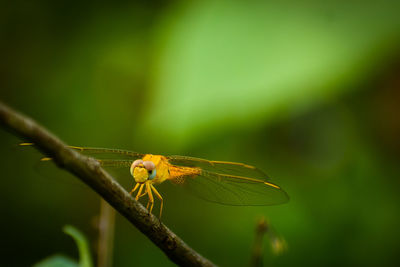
143 171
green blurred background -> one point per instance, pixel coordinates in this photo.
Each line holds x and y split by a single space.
308 92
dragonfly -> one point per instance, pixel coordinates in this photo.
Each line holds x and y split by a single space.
222 182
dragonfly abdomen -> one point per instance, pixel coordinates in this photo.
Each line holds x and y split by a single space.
178 174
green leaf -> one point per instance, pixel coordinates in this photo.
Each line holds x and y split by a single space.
229 65
57 261
85 259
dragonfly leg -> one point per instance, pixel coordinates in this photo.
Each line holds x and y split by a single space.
142 195
139 192
151 198
147 193
134 189
160 197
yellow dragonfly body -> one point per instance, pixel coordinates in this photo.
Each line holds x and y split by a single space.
222 182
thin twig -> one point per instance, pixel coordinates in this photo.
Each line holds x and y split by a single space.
257 255
90 172
106 228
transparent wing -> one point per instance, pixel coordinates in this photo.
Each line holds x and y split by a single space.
110 158
229 183
234 190
108 153
114 158
116 161
223 167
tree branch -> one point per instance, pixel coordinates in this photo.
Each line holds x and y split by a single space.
89 171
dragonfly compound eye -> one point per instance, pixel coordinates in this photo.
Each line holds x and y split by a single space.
149 165
136 163
152 174
151 169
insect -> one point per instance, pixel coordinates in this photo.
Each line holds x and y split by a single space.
222 182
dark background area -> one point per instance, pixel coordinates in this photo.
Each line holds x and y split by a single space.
307 92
